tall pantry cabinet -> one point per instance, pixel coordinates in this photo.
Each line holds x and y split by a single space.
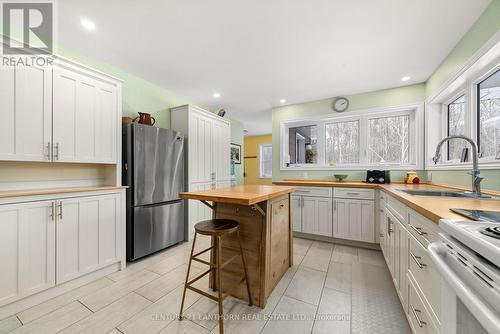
208 154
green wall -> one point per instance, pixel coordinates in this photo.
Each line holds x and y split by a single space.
141 95
137 93
237 138
383 98
481 31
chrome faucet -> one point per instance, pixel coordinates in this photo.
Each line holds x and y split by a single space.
476 178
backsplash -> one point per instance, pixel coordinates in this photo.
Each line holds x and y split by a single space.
461 178
354 175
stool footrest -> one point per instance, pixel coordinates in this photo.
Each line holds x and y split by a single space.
203 251
203 293
203 261
200 276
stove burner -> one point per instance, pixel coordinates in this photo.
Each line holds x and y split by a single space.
492 231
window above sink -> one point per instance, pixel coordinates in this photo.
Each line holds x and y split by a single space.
381 138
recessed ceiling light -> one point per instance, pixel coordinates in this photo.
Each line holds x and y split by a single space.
405 78
282 101
216 95
87 24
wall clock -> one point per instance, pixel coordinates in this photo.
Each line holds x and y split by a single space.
340 104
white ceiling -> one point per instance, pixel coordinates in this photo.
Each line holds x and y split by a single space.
256 52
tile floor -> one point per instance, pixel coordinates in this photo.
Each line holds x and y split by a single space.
330 289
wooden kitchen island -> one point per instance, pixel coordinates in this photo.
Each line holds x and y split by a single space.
263 213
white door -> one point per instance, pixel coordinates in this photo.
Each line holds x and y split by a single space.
324 225
200 148
105 123
354 220
88 234
84 118
27 248
297 213
197 211
221 139
25 111
309 214
341 228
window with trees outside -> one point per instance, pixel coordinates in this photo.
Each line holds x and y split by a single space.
342 142
488 106
375 138
456 126
265 161
389 140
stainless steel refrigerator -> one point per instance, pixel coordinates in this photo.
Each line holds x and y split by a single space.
153 169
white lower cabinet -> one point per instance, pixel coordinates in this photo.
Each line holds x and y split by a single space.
48 242
27 249
312 215
317 215
404 238
354 219
87 235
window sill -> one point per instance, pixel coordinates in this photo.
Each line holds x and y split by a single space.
463 166
351 167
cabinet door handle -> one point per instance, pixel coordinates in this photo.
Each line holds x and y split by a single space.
49 147
389 223
60 214
334 205
417 229
415 314
354 194
417 260
56 152
52 209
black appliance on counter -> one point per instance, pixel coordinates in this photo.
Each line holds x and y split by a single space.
378 176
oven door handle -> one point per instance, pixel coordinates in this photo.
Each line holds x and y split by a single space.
487 317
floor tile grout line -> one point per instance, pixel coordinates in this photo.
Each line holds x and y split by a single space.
19 319
85 305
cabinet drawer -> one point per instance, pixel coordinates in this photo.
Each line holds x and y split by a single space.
425 274
418 315
422 229
354 193
398 208
313 191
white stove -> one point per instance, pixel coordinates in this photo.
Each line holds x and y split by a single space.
482 238
468 259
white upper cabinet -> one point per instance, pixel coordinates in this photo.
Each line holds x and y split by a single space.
85 117
25 111
27 248
65 113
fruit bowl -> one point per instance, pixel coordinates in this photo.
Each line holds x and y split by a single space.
340 177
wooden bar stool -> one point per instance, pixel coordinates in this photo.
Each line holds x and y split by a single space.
215 228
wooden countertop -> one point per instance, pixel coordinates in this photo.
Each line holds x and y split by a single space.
327 183
243 195
37 192
433 208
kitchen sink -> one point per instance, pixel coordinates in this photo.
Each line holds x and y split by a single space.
444 193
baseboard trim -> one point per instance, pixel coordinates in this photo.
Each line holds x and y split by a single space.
332 240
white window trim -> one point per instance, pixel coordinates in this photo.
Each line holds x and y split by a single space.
260 161
481 65
416 137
